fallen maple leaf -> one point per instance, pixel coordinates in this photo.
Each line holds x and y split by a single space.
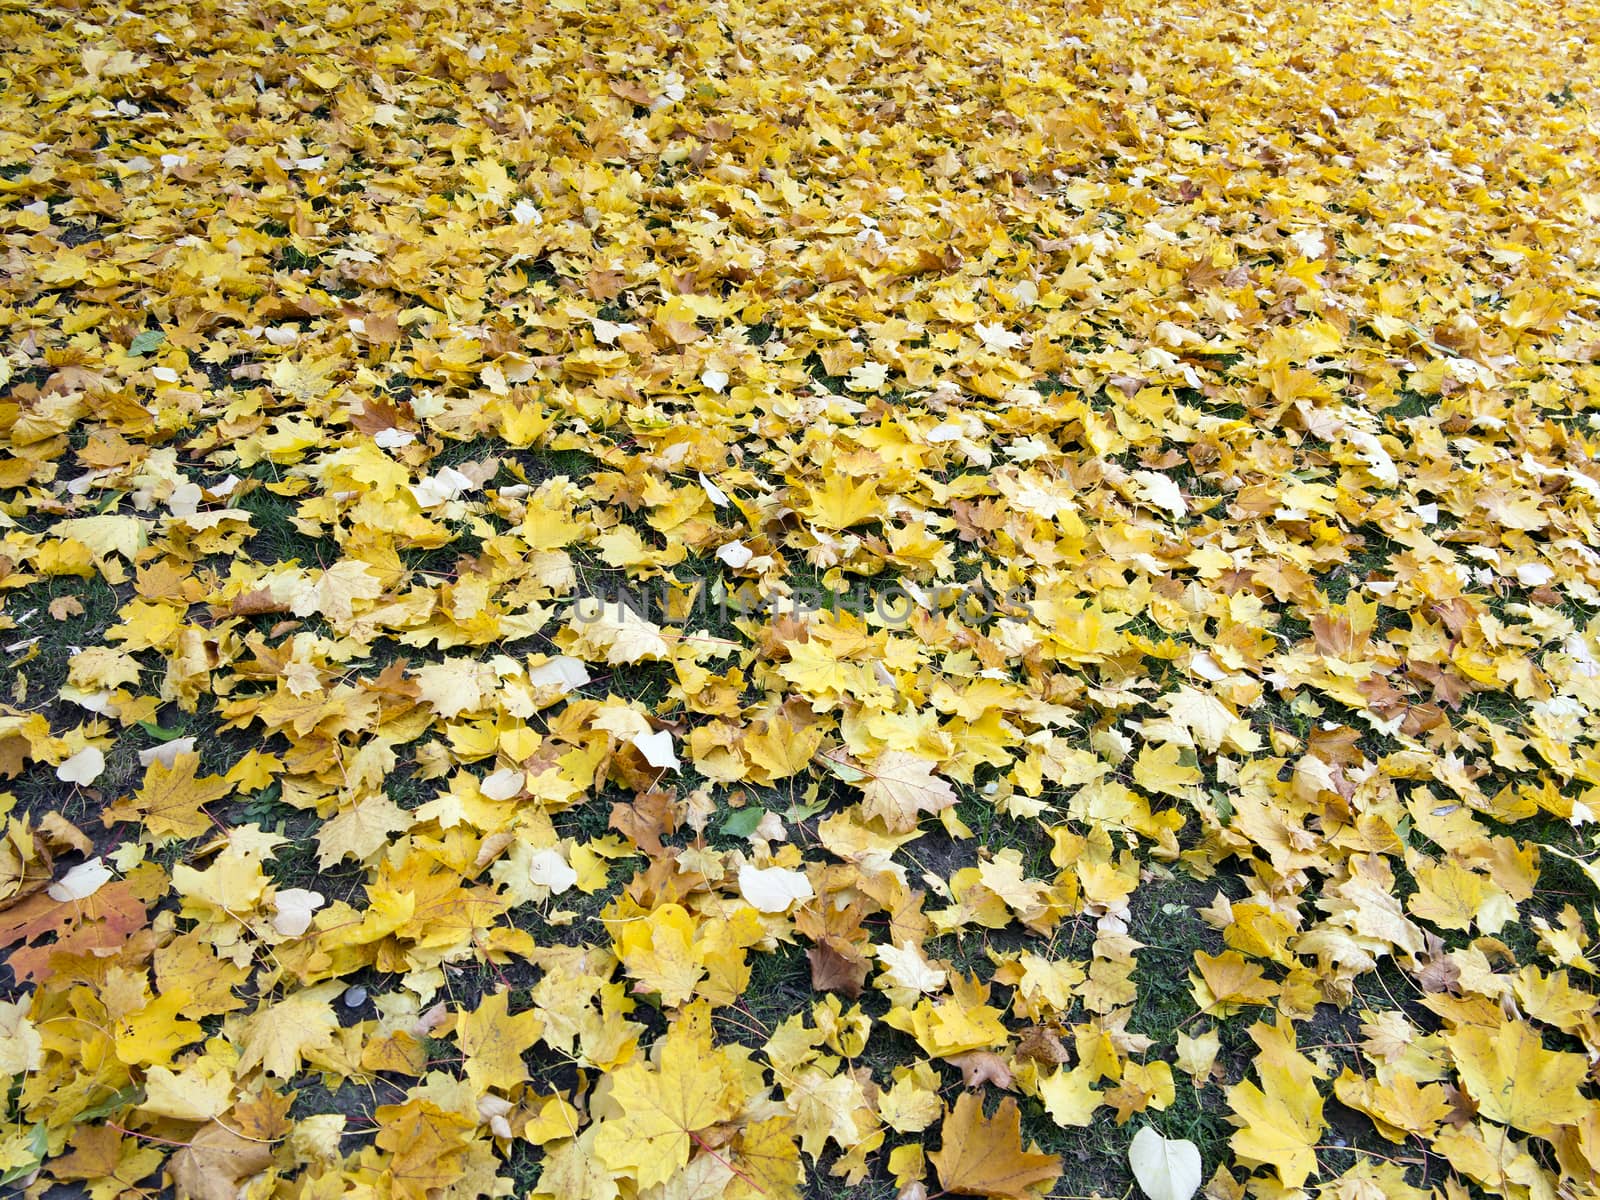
981 1156
169 801
215 1163
277 1035
1517 1081
901 787
492 1041
662 1109
1277 1131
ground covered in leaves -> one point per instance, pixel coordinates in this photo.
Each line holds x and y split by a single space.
768 599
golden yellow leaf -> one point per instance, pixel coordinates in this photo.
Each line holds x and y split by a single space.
426 1145
842 502
1278 1130
276 1036
658 950
169 801
901 787
984 1156
1515 1080
1227 981
1069 1096
662 1109
492 1042
153 1034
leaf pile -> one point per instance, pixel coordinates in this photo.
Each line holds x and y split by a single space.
612 600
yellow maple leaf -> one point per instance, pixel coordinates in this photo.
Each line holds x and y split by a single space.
1228 981
780 751
492 1041
1161 770
658 950
555 1119
333 592
1403 1109
199 1092
278 1033
612 633
842 502
1277 1131
660 1109
1454 897
425 1143
1515 1080
169 801
766 1162
360 830
153 1034
979 1156
901 787
1279 1123
1069 1096
912 1103
1196 1055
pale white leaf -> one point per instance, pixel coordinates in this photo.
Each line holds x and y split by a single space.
1160 491
82 768
1534 574
773 889
997 339
292 910
433 490
83 881
608 332
502 784
868 377
907 967
717 495
549 868
560 672
657 749
185 499
1166 1169
167 753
